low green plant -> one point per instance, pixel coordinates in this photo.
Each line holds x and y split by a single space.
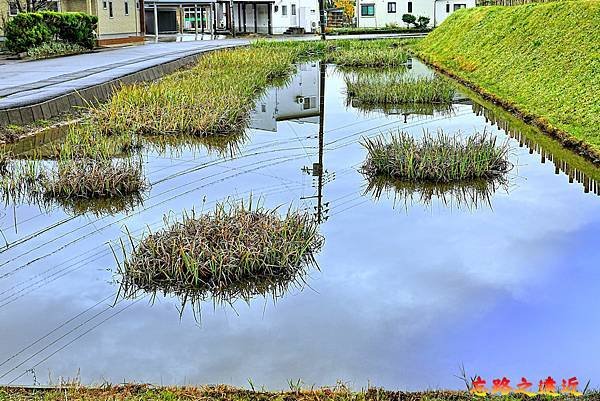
393 88
239 250
435 158
54 49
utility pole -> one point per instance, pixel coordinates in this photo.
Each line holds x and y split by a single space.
322 18
317 170
231 22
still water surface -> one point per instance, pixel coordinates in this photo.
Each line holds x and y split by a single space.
408 290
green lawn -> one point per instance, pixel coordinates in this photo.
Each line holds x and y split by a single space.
542 59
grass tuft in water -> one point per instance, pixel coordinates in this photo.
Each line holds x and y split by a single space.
435 158
238 250
382 89
90 179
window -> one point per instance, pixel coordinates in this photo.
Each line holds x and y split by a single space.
283 10
110 9
13 8
367 10
137 5
104 5
410 7
276 8
459 6
447 7
126 8
392 7
293 9
309 103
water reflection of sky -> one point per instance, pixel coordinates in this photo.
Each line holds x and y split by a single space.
404 296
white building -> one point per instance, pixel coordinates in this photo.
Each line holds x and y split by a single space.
379 13
303 14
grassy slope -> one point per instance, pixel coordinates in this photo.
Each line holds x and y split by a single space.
542 59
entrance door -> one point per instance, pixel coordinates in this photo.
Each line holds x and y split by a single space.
302 19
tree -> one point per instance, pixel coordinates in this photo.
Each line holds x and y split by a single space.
347 6
408 19
422 22
32 5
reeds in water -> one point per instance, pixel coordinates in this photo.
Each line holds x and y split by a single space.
436 158
469 195
237 251
213 98
385 89
90 179
82 167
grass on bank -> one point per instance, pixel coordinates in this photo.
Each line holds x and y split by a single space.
531 57
226 393
238 250
389 89
435 158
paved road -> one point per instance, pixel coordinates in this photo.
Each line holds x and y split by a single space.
26 83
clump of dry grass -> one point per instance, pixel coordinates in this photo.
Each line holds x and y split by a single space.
237 251
436 158
89 178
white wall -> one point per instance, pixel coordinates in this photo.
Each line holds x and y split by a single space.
419 8
307 15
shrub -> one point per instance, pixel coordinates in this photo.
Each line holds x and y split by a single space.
26 30
408 19
51 49
29 30
422 22
75 28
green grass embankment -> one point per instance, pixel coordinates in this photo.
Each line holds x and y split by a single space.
540 60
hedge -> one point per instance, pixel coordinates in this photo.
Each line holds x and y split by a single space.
29 30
